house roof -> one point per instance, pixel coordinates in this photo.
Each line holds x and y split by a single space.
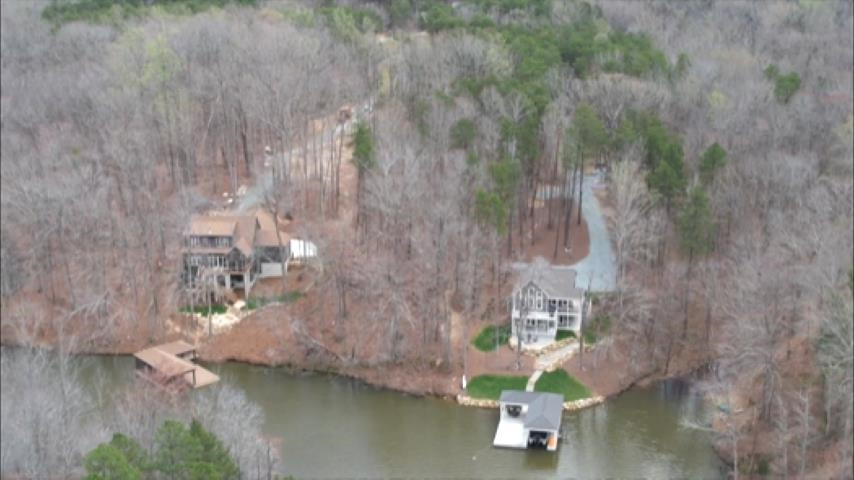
545 410
256 228
267 233
209 225
556 281
244 236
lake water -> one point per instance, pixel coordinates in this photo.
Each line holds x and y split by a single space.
341 428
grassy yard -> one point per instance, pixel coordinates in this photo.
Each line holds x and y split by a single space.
490 386
485 340
287 297
203 309
561 382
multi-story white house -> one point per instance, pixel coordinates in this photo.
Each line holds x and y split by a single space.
545 300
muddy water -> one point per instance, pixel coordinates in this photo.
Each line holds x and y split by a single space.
335 427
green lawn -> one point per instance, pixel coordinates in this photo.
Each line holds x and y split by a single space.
490 386
203 309
485 340
561 382
286 297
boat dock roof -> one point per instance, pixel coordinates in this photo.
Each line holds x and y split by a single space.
178 347
164 360
544 409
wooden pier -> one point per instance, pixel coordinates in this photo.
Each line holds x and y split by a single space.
170 365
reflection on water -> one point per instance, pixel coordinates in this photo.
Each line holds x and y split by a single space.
336 427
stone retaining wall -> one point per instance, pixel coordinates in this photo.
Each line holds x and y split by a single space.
583 403
567 406
476 402
556 345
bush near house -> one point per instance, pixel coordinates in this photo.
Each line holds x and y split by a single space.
485 340
490 386
561 382
598 326
562 334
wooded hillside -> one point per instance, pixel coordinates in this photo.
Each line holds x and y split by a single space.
722 130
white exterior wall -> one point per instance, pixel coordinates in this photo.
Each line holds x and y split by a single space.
270 269
536 315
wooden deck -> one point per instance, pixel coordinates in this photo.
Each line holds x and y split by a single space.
166 363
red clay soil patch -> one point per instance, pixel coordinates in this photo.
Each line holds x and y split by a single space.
264 337
604 372
542 244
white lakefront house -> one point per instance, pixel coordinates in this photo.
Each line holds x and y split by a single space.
545 300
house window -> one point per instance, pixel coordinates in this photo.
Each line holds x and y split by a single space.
194 241
217 261
551 324
194 260
539 300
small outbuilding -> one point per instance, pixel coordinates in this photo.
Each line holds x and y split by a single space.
529 420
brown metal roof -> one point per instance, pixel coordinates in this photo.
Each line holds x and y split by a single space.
165 363
209 225
256 228
179 348
163 359
266 238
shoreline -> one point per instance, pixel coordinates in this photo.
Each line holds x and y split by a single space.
420 389
421 386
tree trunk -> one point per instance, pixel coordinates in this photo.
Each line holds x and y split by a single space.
580 190
686 294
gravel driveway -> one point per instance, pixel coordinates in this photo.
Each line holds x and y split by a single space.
599 268
600 264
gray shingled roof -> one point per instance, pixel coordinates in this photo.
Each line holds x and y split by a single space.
545 410
555 281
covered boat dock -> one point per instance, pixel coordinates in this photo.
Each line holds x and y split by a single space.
171 365
529 420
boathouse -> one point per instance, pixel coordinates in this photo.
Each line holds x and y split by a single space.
170 365
529 420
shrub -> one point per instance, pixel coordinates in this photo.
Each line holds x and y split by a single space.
440 17
785 86
485 340
562 334
463 134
